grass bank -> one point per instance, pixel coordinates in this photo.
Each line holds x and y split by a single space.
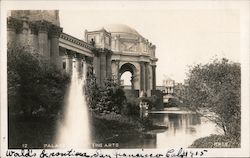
216 141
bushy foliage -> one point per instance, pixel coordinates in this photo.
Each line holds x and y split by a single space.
180 95
215 141
132 109
33 84
107 98
216 87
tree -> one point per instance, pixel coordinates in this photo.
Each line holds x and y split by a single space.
216 88
107 98
33 83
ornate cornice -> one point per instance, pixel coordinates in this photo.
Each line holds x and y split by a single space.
76 41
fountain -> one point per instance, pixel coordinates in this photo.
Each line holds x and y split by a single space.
73 129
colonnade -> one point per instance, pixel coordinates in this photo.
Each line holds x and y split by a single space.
44 36
40 36
80 61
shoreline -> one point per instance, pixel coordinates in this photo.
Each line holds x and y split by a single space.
215 141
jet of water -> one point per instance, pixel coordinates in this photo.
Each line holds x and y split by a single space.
73 131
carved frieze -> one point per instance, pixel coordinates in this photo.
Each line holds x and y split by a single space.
129 46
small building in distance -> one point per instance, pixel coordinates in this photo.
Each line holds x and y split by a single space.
172 91
169 84
168 89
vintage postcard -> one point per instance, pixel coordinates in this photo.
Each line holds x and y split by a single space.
125 79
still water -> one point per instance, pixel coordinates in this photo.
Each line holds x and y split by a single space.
183 129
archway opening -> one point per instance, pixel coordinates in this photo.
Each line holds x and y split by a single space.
127 72
126 80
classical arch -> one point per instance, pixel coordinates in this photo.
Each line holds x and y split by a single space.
108 51
132 69
129 51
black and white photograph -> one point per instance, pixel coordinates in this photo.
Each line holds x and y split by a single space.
167 77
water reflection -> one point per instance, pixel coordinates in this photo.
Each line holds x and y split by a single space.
183 130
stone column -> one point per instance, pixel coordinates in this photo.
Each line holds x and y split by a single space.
136 79
154 77
142 78
78 63
146 77
96 66
33 37
150 81
22 32
82 66
89 65
103 67
12 25
55 32
68 60
132 82
115 70
108 64
118 70
43 39
84 69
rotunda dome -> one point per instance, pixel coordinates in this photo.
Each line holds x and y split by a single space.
120 28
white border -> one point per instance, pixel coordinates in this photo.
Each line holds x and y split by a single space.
243 6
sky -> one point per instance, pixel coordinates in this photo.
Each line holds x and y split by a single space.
183 37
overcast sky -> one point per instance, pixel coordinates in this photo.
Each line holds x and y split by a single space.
182 36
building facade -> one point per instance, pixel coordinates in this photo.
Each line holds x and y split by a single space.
168 89
110 50
129 52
